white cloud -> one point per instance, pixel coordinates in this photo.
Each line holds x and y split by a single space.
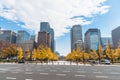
57 12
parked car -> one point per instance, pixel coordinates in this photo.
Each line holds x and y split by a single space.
93 62
21 61
105 61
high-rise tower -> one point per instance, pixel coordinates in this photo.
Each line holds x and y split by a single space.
76 37
45 27
116 36
92 39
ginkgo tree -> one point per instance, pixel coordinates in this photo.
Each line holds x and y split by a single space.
109 52
41 53
20 53
85 56
77 55
44 53
28 55
93 55
34 54
100 53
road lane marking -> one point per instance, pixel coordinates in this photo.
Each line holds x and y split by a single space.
101 76
114 73
60 74
66 71
80 71
28 72
43 73
28 69
12 78
28 79
79 75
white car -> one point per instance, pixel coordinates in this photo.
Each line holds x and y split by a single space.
105 61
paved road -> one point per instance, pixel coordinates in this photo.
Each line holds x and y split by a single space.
58 72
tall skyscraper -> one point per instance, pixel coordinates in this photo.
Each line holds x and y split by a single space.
105 41
116 36
76 37
92 39
8 35
22 36
44 39
44 26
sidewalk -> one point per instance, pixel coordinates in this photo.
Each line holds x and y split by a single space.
67 63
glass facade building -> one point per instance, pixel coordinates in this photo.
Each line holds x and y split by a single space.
32 37
92 39
76 36
116 36
105 41
8 35
22 36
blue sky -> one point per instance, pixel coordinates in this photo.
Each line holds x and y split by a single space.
26 15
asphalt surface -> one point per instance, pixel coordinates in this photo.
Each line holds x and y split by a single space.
58 72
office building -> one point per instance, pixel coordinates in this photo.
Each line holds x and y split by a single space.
22 36
28 45
8 35
76 37
44 26
116 36
105 41
32 37
92 39
44 39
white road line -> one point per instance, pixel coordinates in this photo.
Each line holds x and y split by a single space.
43 73
80 71
28 72
66 71
60 74
101 76
97 72
12 78
28 79
114 73
79 75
